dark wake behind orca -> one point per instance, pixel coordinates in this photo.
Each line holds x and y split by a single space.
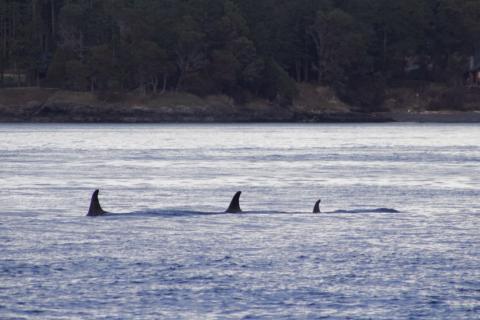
316 209
96 210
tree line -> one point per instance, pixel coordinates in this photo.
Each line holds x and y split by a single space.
241 48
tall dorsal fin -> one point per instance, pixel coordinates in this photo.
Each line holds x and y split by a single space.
95 208
316 208
234 206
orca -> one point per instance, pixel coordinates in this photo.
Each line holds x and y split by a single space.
234 206
96 210
376 210
316 209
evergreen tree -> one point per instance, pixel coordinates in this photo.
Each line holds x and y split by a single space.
242 48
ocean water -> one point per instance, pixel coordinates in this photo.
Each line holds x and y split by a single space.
162 257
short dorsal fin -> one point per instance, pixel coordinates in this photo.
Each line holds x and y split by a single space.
235 204
316 208
95 208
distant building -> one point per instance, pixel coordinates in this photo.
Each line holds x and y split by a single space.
472 76
14 77
412 64
417 67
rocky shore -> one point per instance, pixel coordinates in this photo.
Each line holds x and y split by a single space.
40 105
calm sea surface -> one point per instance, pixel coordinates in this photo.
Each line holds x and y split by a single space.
164 258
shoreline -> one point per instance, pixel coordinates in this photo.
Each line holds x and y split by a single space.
49 105
445 117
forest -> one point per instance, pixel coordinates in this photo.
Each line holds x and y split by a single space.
241 48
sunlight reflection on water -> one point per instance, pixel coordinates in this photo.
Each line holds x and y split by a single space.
423 262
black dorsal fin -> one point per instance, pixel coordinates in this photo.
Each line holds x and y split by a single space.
95 208
316 208
235 204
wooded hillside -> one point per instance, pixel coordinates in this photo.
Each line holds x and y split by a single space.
241 48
